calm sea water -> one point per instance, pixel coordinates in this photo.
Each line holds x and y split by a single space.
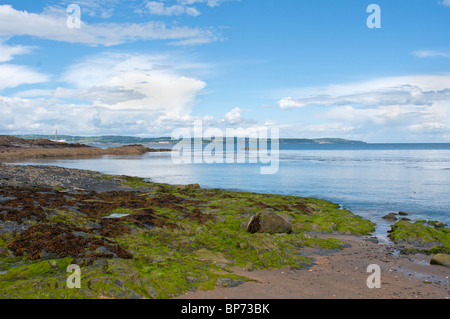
370 180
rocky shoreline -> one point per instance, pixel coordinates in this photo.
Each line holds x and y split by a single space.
12 148
133 238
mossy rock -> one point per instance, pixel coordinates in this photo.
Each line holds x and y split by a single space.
269 222
215 258
390 217
419 233
441 259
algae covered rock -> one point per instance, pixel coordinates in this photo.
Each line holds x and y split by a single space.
390 217
419 233
215 258
268 221
441 259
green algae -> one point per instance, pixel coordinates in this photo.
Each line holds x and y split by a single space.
428 237
201 238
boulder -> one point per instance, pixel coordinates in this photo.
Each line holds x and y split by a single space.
441 259
268 221
391 217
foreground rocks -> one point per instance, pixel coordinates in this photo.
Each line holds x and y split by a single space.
137 239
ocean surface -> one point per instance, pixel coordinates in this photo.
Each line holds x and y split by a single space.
370 180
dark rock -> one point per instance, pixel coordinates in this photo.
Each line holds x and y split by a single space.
391 217
269 222
254 225
403 214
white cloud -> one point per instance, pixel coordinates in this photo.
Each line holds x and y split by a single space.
100 95
234 116
160 8
179 7
8 52
431 54
384 91
210 3
110 93
12 76
43 116
126 81
396 107
98 8
445 2
52 26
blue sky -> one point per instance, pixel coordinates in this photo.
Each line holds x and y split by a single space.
312 68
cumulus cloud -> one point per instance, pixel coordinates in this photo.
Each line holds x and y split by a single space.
51 25
109 93
133 81
234 116
399 105
44 115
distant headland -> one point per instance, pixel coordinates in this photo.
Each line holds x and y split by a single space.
123 140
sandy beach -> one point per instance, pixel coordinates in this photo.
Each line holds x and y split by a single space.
342 275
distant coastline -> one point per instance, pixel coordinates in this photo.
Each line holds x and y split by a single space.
167 140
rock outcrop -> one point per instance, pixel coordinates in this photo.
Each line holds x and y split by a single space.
267 221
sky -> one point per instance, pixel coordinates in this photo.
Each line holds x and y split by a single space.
310 68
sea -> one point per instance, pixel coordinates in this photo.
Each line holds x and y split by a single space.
371 180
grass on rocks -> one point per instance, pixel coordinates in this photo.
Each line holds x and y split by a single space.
170 239
429 237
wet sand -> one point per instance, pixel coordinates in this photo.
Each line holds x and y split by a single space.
343 275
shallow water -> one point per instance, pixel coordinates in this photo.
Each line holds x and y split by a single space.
370 180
